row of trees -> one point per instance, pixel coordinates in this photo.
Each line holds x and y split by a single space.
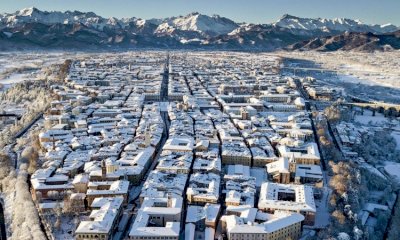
349 188
30 156
328 149
25 222
5 165
344 202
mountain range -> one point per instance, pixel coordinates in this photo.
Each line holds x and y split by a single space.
350 41
32 28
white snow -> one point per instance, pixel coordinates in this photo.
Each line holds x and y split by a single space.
354 79
8 34
34 15
259 174
191 22
337 24
184 41
67 228
379 68
198 23
393 169
367 117
373 170
322 216
15 68
13 79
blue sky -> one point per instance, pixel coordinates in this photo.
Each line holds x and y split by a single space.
254 11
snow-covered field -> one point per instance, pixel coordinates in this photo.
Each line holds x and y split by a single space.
373 170
16 67
367 118
378 68
393 169
371 75
13 79
354 79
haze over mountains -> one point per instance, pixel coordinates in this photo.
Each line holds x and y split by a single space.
32 28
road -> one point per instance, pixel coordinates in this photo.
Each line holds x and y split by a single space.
3 234
164 83
26 128
6 115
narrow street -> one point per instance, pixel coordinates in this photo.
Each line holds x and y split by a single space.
130 212
3 234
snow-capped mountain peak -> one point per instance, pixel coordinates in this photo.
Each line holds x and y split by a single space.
358 21
27 11
196 22
30 15
335 25
287 16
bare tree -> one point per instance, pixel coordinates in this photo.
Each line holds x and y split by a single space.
31 156
5 165
25 219
338 183
339 217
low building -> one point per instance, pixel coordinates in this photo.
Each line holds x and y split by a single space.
235 153
246 222
107 189
175 162
279 171
158 218
207 161
303 154
288 197
161 184
103 219
308 174
179 144
199 218
203 188
240 187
